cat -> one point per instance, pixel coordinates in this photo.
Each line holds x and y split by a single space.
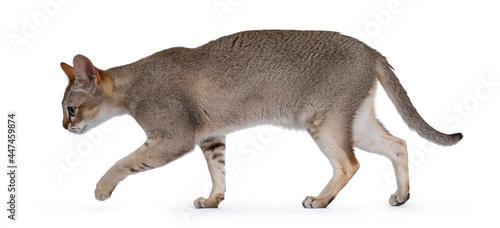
320 81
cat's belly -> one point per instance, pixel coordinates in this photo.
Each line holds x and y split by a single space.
213 130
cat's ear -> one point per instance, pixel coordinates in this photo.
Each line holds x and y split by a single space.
85 72
68 70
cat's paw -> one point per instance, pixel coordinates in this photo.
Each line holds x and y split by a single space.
208 203
314 202
398 200
103 192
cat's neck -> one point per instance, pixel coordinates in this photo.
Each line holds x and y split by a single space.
116 83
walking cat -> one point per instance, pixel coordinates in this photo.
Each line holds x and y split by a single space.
319 81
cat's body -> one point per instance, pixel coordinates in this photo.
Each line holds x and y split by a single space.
322 82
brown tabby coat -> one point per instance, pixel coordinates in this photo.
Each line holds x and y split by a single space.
323 82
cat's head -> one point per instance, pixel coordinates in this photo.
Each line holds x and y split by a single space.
85 104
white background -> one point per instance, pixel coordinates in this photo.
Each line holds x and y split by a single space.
445 54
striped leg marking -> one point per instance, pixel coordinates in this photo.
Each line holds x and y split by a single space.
214 150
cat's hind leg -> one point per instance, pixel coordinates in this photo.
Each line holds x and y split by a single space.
371 136
329 133
214 150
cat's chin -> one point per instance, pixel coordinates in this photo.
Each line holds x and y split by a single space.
79 131
84 130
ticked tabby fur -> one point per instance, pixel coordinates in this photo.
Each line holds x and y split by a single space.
319 81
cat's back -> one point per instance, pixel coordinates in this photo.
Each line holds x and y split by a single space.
285 54
290 40
260 50
273 58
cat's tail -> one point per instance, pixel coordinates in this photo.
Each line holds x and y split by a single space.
398 96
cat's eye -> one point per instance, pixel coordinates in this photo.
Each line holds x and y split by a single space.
72 110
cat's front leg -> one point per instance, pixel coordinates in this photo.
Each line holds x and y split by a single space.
214 150
155 152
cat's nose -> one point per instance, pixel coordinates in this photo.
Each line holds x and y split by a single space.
65 125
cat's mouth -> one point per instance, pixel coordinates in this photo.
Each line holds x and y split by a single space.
77 130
